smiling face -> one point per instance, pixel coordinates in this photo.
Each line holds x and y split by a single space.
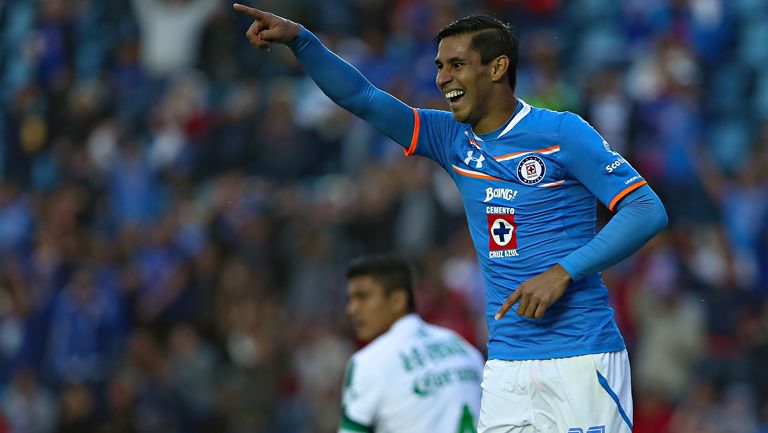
465 82
371 309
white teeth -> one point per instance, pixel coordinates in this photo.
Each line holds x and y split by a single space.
454 93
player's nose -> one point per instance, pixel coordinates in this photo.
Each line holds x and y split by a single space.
443 77
350 309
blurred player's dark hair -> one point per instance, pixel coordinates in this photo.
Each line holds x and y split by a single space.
392 272
492 38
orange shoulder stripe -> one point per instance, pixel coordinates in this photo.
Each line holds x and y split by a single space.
415 136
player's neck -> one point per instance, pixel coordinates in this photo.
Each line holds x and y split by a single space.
499 110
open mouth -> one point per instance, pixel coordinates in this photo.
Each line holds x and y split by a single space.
454 96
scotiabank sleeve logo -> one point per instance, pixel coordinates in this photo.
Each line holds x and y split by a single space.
502 232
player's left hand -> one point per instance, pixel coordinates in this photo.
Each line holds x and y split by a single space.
538 293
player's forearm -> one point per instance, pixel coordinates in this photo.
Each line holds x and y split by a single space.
640 216
348 88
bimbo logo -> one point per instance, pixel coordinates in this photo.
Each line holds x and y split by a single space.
470 158
502 193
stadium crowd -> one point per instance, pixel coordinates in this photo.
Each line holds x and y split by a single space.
177 208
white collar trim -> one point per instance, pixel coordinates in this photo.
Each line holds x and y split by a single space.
512 123
515 120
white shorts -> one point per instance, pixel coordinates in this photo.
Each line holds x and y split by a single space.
583 394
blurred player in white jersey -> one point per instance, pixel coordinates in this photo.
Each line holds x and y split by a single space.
412 377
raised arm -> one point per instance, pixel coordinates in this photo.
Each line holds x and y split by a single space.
344 84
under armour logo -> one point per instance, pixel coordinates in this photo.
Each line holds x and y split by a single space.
478 161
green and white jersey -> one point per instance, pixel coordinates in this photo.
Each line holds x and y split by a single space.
414 378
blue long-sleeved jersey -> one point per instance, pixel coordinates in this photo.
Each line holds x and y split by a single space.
529 192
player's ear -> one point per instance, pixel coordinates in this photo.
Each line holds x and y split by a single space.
499 68
398 300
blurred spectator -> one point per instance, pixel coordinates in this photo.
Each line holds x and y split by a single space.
739 409
653 411
449 302
77 411
157 408
670 326
84 322
27 405
170 33
763 427
610 109
697 413
743 201
320 364
257 338
15 220
548 89
121 406
166 295
193 373
17 347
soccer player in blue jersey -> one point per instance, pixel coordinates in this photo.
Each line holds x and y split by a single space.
529 178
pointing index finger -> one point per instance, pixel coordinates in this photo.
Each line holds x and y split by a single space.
507 304
251 12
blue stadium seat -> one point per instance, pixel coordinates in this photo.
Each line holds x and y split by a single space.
729 142
730 82
761 96
600 45
748 9
752 38
18 70
592 11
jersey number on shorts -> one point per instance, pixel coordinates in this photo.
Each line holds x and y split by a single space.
467 424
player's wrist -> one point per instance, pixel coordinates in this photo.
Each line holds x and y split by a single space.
294 30
565 276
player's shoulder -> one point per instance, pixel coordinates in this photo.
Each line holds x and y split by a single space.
546 121
370 364
437 331
375 352
442 334
408 333
386 346
441 119
436 114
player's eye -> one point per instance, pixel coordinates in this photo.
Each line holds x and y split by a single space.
457 66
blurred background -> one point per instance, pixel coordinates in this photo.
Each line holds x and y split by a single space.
177 208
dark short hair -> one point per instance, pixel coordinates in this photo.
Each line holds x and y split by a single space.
392 272
492 38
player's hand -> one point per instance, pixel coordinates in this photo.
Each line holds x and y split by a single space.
538 293
268 28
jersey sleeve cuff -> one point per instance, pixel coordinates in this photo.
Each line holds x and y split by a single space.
623 193
302 40
415 137
570 269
